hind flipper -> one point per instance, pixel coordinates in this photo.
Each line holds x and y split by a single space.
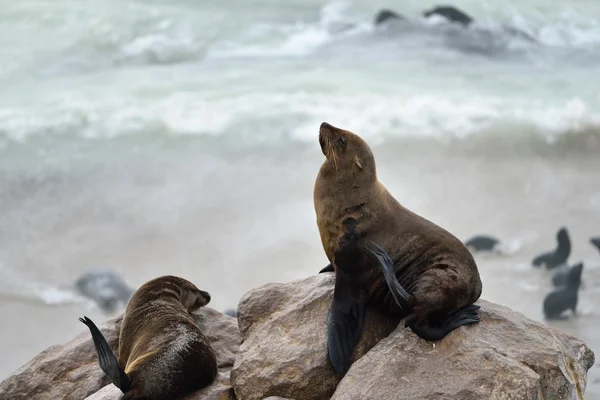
437 331
328 268
344 324
106 358
401 296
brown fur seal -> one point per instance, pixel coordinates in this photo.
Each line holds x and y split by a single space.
429 275
162 352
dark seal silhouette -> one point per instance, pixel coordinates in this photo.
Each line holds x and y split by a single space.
595 241
560 277
482 243
386 15
558 256
564 298
451 13
384 254
163 354
105 287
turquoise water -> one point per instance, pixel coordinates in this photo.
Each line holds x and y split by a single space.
180 137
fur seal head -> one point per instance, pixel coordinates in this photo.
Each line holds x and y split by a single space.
346 152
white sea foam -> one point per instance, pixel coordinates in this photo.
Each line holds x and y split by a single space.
378 117
18 287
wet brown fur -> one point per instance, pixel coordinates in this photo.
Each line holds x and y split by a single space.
353 208
161 348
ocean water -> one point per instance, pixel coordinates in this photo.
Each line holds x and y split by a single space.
180 137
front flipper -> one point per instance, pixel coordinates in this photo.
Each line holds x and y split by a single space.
344 322
403 299
432 331
328 268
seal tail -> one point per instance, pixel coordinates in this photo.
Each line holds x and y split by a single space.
106 358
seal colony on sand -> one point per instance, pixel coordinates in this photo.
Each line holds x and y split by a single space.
429 275
162 352
557 257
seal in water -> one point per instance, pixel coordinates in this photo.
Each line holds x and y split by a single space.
162 353
429 275
596 242
451 13
105 287
558 257
387 15
482 243
565 298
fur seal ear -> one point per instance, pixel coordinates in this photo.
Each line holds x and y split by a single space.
357 162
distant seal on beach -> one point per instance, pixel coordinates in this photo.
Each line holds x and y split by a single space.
561 277
387 15
558 256
450 13
564 298
162 353
429 276
105 287
595 241
482 243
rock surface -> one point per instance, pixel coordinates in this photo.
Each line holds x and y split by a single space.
284 349
505 356
219 390
70 371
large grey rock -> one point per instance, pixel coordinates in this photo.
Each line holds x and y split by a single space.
505 356
70 371
67 371
284 348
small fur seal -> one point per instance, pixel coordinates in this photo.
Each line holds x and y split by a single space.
451 13
482 243
162 353
429 276
565 298
559 256
105 287
595 241
387 15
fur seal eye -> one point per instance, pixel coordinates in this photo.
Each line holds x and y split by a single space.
343 140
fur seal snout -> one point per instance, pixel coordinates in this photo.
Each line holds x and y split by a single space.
383 254
162 352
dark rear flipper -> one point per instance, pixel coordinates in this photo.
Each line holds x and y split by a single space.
106 358
344 325
401 296
433 331
328 268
